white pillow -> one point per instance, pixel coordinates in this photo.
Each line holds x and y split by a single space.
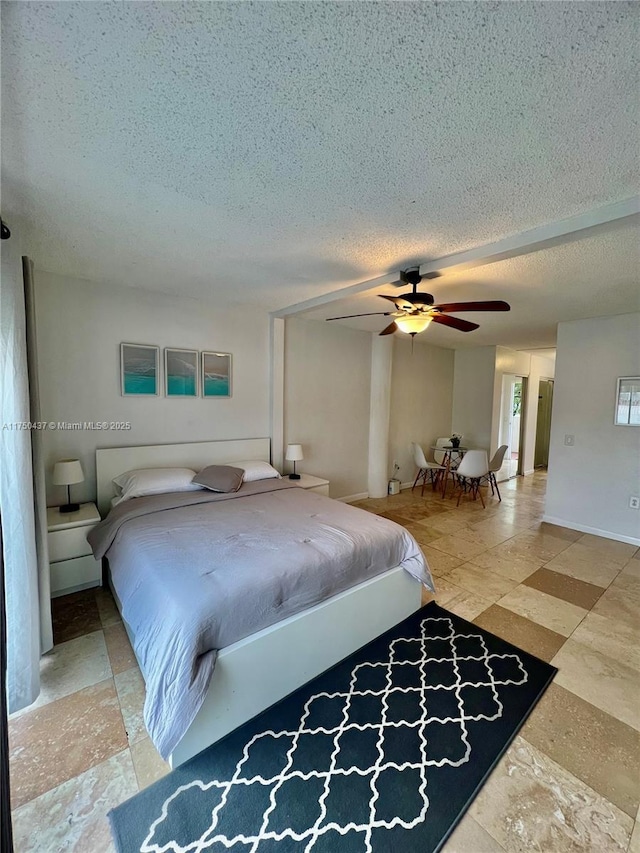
256 470
153 481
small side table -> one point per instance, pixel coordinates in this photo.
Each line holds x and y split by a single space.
313 484
71 560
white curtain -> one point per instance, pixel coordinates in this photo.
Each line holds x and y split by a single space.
37 453
25 637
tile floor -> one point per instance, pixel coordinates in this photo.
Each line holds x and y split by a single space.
569 782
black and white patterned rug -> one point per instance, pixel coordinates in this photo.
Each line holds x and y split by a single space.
381 754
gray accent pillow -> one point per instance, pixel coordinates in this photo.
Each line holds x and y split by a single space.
219 478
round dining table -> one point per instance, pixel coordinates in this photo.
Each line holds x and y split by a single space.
448 450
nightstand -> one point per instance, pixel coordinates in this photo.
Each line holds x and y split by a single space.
70 558
313 484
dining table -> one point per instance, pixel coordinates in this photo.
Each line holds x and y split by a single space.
449 452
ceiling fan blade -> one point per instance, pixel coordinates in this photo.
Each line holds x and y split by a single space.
491 305
369 314
455 323
390 329
398 301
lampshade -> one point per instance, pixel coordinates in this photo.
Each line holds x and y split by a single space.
294 453
413 324
66 472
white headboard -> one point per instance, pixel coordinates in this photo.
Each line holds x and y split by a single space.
111 461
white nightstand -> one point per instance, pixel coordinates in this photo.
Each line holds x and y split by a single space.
70 558
313 484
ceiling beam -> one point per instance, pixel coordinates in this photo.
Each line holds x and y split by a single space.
606 218
334 295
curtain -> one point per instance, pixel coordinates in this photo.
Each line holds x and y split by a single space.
17 504
6 833
37 456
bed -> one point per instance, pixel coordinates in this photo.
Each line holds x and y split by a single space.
249 675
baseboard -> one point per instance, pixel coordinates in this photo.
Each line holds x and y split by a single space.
596 531
362 496
530 471
347 499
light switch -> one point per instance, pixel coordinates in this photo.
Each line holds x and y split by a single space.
570 440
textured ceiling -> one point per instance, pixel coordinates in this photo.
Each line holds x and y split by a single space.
592 277
272 152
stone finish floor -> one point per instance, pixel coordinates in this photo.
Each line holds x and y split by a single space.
569 782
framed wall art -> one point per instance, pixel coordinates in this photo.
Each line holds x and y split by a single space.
216 374
627 401
139 369
180 372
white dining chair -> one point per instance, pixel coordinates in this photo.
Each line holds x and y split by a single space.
453 456
439 455
425 468
494 466
471 470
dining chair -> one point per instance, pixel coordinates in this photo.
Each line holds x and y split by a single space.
439 455
494 466
473 467
453 456
425 468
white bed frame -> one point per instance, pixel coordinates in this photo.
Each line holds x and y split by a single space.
112 461
254 673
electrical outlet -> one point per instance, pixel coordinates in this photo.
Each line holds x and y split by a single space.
634 502
570 440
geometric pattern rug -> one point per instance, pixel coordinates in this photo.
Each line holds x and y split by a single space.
383 753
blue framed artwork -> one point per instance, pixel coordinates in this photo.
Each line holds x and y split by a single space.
139 366
181 372
216 374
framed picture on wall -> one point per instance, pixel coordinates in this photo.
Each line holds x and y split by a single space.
139 367
628 401
180 372
216 374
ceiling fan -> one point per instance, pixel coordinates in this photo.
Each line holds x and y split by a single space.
416 310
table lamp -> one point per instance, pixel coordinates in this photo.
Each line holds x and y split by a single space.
65 473
294 454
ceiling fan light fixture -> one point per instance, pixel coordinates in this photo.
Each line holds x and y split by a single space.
413 323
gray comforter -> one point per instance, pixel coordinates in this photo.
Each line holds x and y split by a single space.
198 571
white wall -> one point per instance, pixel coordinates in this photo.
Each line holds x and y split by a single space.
80 326
473 395
590 483
421 400
327 387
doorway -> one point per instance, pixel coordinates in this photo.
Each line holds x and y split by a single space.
543 423
511 424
